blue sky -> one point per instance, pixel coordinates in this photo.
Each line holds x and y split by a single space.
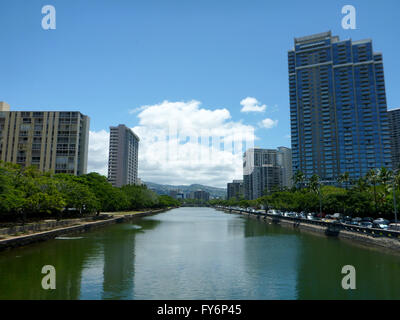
106 58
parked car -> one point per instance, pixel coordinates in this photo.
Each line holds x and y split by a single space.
381 221
311 216
356 221
302 215
394 226
381 226
273 212
366 224
367 219
346 220
337 216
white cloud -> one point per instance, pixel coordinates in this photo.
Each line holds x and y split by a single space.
181 143
268 123
132 111
98 151
252 105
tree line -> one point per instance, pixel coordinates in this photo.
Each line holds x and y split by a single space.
371 195
28 193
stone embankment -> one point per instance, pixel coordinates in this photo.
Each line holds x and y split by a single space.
17 236
367 236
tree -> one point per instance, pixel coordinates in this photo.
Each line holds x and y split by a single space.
314 183
344 179
78 197
140 197
298 179
41 194
361 185
167 201
372 178
110 198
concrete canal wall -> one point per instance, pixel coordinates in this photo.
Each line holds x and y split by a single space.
62 228
366 236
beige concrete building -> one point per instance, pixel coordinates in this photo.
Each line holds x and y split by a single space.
284 159
54 141
123 156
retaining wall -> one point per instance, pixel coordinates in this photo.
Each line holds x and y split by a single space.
64 230
374 237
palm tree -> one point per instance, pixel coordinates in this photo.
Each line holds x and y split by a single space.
362 184
314 183
344 178
385 176
372 178
298 178
315 186
396 184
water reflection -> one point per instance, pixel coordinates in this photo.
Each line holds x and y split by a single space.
321 262
271 260
20 269
119 259
198 253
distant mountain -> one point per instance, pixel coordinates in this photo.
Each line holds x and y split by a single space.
166 188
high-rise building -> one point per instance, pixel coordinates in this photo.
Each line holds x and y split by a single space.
394 129
261 172
338 107
123 156
201 195
235 189
284 159
177 194
54 141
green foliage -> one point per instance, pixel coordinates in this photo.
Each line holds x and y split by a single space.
371 195
27 193
140 197
167 201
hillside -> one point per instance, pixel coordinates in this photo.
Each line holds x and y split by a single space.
166 188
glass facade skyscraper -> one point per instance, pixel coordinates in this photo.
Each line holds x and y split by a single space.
338 107
394 128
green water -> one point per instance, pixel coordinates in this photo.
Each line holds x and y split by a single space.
198 253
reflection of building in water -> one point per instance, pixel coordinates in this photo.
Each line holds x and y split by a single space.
270 259
119 258
21 278
319 271
119 255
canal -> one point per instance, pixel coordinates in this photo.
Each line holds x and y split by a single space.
198 253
